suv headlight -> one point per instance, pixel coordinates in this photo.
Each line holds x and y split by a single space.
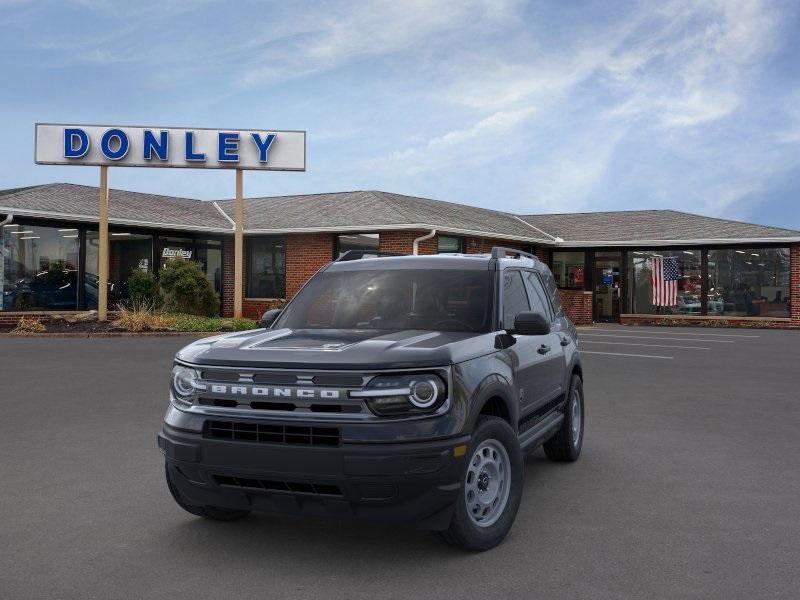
184 382
398 395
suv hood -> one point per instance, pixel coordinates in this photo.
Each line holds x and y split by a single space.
338 349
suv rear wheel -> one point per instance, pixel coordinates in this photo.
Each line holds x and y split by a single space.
566 444
215 513
491 488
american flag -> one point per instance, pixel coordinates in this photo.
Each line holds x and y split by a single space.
664 279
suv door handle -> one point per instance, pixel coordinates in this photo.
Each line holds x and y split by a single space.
543 349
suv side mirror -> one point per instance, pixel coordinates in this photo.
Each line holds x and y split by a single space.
531 323
269 317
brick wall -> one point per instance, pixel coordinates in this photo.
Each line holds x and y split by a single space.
578 306
306 254
227 277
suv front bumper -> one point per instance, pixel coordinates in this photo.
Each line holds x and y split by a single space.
396 482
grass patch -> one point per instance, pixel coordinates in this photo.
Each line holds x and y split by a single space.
143 318
195 323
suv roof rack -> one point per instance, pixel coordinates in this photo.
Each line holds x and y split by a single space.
501 252
359 254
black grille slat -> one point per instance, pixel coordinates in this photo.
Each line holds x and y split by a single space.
303 435
291 487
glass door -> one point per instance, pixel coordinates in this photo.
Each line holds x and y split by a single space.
607 285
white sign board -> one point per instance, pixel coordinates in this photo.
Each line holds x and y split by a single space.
189 148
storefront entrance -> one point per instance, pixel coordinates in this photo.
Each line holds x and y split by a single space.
607 285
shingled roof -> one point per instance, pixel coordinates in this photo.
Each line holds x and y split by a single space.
373 210
644 226
79 202
363 211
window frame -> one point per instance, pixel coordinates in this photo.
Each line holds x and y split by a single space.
248 246
461 244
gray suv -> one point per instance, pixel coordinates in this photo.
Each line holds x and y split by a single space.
395 388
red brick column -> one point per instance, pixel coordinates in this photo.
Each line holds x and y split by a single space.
543 255
306 254
226 307
577 306
794 284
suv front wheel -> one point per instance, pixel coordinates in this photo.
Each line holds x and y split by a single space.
491 488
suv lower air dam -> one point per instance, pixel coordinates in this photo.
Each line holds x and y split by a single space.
272 434
403 389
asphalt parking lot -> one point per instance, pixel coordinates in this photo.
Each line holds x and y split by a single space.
688 487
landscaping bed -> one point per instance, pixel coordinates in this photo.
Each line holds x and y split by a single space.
128 322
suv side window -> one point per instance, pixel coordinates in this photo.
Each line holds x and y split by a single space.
552 291
537 295
515 298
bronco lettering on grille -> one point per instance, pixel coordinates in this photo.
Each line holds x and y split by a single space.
275 392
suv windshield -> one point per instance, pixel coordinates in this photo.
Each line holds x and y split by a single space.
440 300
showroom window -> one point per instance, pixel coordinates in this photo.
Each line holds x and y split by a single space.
266 267
39 267
748 282
665 282
209 255
128 251
569 269
448 244
358 241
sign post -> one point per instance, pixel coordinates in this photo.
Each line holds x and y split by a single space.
238 244
102 255
176 147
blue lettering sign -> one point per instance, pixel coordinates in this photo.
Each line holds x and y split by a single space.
122 144
263 145
190 153
228 147
71 136
159 146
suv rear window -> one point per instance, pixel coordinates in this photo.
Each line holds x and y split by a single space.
394 300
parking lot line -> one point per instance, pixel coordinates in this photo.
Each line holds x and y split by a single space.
648 345
651 337
631 331
624 354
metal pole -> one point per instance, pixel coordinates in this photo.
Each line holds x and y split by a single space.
238 255
102 256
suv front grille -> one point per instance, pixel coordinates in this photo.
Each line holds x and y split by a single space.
291 487
304 435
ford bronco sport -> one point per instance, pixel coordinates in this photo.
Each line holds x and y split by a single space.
397 388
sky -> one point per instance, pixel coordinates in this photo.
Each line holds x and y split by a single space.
529 107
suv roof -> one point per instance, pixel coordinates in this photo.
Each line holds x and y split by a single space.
477 262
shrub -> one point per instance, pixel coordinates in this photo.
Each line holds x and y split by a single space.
186 289
143 289
26 325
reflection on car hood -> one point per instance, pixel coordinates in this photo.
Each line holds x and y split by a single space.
338 348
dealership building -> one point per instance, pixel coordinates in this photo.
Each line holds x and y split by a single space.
610 266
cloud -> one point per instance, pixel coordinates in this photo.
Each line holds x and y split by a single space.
463 146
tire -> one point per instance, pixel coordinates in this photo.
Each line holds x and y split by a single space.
566 444
493 443
214 513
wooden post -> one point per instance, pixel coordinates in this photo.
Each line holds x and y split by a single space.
238 255
102 255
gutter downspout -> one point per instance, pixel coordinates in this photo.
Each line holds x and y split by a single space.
427 236
7 220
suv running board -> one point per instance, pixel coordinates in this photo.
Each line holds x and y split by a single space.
538 434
